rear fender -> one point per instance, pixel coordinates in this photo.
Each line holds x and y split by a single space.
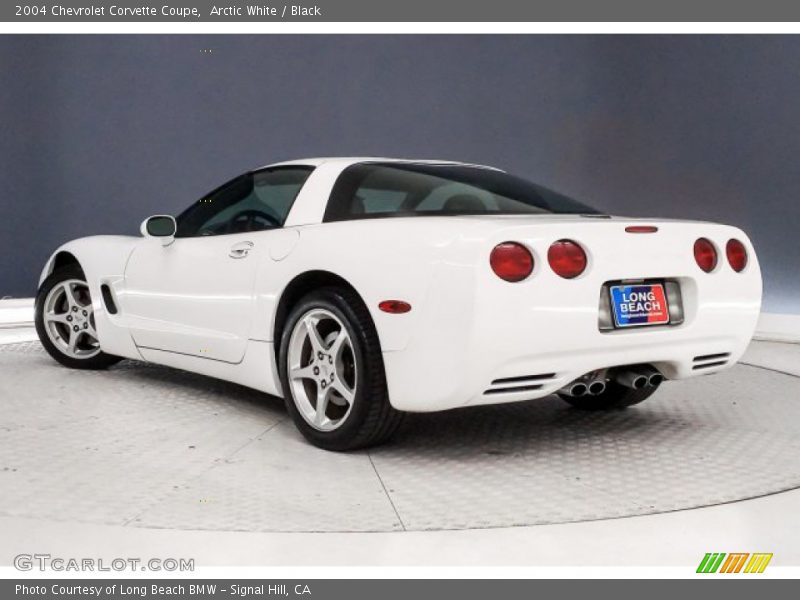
428 266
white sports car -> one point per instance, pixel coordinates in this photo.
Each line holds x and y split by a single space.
358 289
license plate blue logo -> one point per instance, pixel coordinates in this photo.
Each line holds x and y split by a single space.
639 305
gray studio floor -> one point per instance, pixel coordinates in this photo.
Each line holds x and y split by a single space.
141 454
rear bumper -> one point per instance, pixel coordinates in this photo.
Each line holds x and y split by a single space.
542 333
518 376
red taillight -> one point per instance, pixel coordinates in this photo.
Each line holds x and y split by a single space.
395 307
566 258
705 254
511 261
737 255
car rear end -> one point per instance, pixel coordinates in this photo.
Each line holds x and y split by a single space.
522 307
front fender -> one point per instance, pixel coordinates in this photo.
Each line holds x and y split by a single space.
102 259
97 255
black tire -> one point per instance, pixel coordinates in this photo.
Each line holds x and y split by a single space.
615 397
372 419
101 360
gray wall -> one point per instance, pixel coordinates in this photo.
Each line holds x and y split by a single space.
97 132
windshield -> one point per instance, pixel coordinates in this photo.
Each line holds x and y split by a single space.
397 190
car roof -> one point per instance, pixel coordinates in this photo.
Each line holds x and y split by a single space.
345 161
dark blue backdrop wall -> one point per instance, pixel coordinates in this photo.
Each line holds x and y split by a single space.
97 132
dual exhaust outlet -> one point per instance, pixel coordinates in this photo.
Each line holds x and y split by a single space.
641 378
635 379
583 387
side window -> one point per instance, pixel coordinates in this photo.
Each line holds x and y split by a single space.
252 202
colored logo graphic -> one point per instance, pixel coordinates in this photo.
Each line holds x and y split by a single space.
735 562
639 305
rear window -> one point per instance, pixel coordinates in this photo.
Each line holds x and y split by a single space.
369 190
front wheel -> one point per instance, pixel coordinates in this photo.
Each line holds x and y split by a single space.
332 373
64 320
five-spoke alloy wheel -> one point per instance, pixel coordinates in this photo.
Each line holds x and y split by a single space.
69 319
65 321
322 369
332 372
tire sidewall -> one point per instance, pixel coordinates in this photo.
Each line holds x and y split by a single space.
341 437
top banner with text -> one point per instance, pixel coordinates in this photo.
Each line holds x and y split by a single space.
405 11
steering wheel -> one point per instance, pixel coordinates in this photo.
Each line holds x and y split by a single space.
251 220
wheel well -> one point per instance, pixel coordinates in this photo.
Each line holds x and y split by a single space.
64 259
299 287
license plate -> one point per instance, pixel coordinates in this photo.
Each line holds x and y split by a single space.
635 305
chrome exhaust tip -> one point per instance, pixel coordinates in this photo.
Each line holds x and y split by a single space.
641 377
654 378
597 387
578 389
635 380
575 389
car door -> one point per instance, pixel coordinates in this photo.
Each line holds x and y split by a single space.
195 296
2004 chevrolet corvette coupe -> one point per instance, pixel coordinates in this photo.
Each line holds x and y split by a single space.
360 289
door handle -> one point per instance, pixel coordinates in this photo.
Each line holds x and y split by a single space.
240 250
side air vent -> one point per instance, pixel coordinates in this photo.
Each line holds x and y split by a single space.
708 361
522 383
108 299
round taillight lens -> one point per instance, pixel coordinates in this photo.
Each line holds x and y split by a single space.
566 258
511 261
705 254
737 255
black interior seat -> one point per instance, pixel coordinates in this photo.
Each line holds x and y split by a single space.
464 203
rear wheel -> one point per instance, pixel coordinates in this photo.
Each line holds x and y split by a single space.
65 322
332 373
615 396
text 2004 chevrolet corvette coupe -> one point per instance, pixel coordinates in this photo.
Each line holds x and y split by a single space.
358 289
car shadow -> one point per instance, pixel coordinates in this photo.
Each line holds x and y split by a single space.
493 430
543 424
227 393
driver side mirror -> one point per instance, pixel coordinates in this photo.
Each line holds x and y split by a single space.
162 227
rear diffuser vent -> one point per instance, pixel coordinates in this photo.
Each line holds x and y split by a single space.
522 383
708 361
